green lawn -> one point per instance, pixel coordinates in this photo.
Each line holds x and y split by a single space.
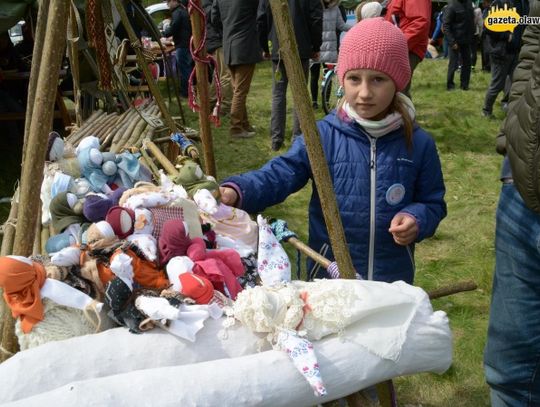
463 246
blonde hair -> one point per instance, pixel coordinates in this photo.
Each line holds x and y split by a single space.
373 13
358 11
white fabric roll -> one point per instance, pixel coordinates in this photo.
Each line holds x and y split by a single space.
158 369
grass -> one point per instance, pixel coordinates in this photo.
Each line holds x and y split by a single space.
463 246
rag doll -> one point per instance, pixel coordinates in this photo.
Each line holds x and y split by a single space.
221 267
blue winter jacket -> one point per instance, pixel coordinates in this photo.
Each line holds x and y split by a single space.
373 179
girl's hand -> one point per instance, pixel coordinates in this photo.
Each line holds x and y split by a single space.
404 229
228 196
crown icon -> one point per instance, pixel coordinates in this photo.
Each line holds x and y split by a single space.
502 19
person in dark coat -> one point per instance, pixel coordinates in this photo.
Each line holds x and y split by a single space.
238 21
214 47
307 20
180 30
458 25
503 49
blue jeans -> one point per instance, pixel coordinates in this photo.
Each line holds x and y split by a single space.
184 65
512 354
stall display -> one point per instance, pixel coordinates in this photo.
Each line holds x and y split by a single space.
205 283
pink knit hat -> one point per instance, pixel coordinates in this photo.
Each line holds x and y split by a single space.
375 44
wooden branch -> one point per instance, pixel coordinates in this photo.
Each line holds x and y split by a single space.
120 142
160 157
111 133
39 41
32 166
74 63
7 247
102 129
119 130
35 145
143 64
201 69
74 134
150 164
455 288
36 249
45 235
10 226
88 125
308 251
319 167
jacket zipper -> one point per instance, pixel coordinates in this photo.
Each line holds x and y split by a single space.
372 191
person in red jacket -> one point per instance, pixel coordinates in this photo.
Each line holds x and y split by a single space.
413 17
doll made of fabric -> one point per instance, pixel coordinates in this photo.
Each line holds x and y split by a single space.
221 267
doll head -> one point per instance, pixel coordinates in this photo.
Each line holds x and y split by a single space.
122 221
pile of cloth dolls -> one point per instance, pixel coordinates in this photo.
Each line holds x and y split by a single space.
148 252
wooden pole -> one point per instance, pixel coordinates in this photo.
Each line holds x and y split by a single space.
42 117
74 62
39 40
10 225
160 157
143 64
319 167
201 70
7 246
35 145
455 288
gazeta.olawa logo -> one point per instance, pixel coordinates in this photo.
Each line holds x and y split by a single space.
507 19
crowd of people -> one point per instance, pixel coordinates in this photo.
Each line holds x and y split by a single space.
241 34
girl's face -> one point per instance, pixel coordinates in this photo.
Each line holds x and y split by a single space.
369 93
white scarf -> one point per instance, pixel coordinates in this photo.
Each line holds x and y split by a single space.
390 123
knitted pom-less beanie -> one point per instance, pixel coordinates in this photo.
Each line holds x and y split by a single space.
378 45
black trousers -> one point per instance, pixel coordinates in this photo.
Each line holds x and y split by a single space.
463 51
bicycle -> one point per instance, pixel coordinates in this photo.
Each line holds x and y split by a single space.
330 88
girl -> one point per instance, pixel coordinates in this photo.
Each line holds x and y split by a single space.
385 169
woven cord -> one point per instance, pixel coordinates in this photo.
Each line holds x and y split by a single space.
97 39
207 59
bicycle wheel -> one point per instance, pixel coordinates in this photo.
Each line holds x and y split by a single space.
329 91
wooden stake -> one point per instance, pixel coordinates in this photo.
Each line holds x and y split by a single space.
10 226
201 69
45 235
39 40
35 147
150 164
74 62
36 249
455 288
160 157
7 246
308 251
319 167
